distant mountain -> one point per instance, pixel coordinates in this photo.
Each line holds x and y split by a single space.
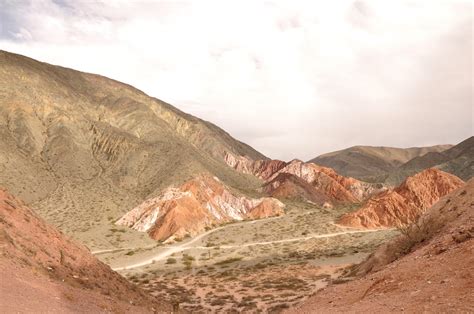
85 149
43 271
458 160
369 162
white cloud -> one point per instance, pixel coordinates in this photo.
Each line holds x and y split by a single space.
291 78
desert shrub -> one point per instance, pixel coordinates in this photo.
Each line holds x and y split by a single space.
229 260
171 260
417 232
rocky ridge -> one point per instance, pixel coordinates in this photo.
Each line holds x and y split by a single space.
405 203
324 184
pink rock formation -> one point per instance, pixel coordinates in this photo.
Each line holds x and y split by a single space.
197 204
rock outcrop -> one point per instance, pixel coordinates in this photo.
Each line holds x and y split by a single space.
289 186
405 203
198 204
43 271
321 182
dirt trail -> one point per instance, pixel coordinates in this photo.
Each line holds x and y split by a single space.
193 240
187 246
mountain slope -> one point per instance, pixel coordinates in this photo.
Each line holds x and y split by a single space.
458 160
430 268
44 271
405 203
365 162
85 149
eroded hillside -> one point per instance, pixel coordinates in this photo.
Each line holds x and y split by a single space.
85 149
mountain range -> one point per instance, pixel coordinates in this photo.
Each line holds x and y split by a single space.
392 165
109 169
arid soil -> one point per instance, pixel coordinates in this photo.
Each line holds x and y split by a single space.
430 268
258 265
405 203
44 271
199 204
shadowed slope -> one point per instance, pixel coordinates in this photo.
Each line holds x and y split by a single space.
366 162
458 160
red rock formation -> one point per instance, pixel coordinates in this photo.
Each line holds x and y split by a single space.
336 188
405 203
262 169
286 185
197 204
44 271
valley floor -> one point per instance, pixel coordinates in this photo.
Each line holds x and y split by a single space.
267 264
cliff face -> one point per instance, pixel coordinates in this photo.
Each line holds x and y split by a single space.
321 183
45 271
405 203
198 204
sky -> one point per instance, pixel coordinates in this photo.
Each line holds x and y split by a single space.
293 79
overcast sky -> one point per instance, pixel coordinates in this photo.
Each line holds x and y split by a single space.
290 78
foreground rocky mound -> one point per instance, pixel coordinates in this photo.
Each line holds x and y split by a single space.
201 203
431 270
405 203
44 271
322 184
